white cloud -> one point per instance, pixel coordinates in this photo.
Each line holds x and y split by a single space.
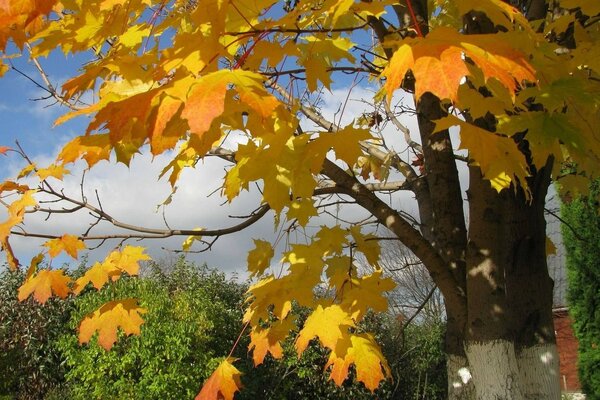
132 194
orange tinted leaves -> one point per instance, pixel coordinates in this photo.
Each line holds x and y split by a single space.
68 243
165 128
223 383
9 186
4 149
44 284
206 101
123 314
439 65
19 18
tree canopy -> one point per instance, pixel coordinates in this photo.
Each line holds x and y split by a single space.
519 80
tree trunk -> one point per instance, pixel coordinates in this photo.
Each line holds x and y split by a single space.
460 379
510 337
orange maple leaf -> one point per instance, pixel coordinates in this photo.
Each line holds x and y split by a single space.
124 314
438 62
70 244
223 383
21 17
43 284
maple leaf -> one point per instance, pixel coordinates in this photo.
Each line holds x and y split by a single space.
44 284
268 340
92 148
223 383
128 259
259 258
20 18
366 244
123 314
55 171
97 275
329 324
438 62
68 243
365 293
113 266
301 210
498 156
13 263
362 351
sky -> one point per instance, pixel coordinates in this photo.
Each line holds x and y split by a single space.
132 194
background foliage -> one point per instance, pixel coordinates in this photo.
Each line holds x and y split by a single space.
193 319
582 241
30 362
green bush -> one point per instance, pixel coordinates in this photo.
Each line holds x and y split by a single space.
582 241
192 321
416 358
30 363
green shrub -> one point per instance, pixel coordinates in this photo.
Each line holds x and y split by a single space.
582 241
30 363
192 321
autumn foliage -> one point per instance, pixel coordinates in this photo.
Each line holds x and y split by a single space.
177 77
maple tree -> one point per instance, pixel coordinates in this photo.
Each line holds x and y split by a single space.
519 80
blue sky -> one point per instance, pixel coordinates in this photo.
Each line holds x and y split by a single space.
131 194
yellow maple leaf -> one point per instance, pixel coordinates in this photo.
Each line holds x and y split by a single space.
498 156
113 266
12 261
259 258
128 259
44 284
301 210
365 293
123 314
329 324
70 244
97 275
362 351
223 383
366 244
92 148
268 340
54 171
17 208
